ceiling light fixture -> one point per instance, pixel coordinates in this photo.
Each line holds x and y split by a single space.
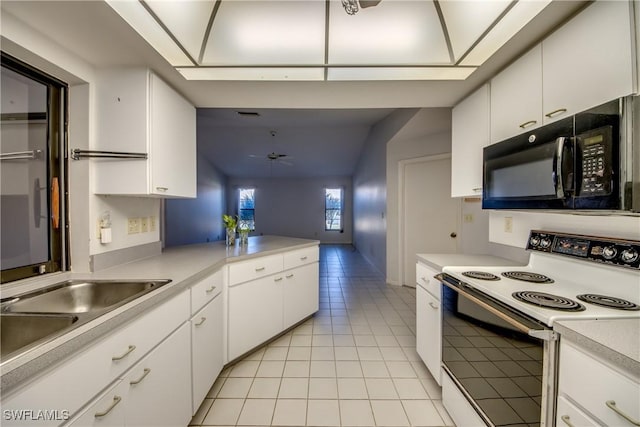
401 40
353 6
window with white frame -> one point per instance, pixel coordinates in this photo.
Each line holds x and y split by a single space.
333 209
247 208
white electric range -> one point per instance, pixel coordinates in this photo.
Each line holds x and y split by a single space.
559 270
497 322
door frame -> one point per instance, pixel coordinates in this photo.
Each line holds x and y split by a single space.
402 164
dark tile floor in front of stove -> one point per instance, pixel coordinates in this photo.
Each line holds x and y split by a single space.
354 363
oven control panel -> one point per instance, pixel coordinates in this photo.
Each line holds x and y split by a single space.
624 253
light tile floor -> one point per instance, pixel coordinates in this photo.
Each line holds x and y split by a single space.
353 364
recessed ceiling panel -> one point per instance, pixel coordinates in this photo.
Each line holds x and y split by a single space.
467 20
186 19
399 73
517 17
253 73
137 16
266 33
393 32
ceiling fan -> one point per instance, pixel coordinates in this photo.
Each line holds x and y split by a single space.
274 156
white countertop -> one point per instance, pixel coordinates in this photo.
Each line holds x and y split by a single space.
438 261
184 265
616 340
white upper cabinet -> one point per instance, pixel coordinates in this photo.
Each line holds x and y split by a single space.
516 97
589 60
140 113
469 134
585 63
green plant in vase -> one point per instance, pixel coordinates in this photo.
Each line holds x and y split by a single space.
230 223
243 229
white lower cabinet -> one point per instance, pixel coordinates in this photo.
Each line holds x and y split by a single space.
206 349
428 339
301 293
74 382
259 308
429 320
598 390
159 391
255 313
108 410
155 392
568 415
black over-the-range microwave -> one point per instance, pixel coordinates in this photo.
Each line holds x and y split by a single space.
583 162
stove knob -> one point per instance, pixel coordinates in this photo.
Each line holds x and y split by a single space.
535 241
545 242
609 252
629 255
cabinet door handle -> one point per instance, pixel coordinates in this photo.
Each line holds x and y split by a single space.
567 420
432 305
125 354
277 279
289 276
202 320
477 189
612 405
211 289
162 188
139 380
527 124
425 280
116 400
556 112
303 258
260 268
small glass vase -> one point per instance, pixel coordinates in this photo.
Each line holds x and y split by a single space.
244 237
231 236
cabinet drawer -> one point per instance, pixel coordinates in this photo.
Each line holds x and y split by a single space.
106 410
567 415
255 268
591 384
78 379
300 257
424 279
205 290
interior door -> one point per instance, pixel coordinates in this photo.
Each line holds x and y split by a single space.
430 216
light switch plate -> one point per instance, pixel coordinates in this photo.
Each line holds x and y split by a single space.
144 224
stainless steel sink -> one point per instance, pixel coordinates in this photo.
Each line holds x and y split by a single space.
21 330
36 317
82 296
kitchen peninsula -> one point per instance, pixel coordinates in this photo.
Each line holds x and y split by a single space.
271 269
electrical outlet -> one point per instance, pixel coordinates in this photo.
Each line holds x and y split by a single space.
508 224
134 225
152 223
144 224
468 218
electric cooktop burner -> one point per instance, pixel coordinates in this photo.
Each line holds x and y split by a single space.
545 300
527 276
480 275
609 302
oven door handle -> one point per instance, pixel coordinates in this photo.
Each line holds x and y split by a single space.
536 332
